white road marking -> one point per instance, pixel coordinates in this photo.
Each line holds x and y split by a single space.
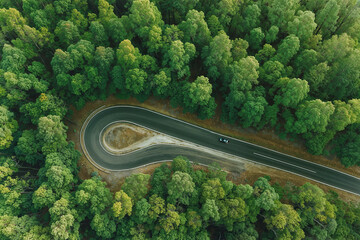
236 139
103 108
284 162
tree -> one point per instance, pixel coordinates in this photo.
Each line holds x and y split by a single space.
103 60
46 104
238 50
231 211
316 76
341 116
92 198
18 87
135 80
43 197
122 206
313 116
289 92
265 54
346 145
157 207
182 164
67 33
251 18
242 75
271 35
256 38
66 157
160 177
141 211
287 49
99 36
199 95
271 71
180 188
60 178
210 210
79 20
106 13
266 197
305 61
13 59
212 190
170 219
143 15
303 25
62 6
127 56
225 10
178 57
162 81
218 55
63 223
327 17
315 209
14 199
342 58
214 25
252 110
239 78
194 220
281 12
141 182
62 62
8 126
155 43
52 133
242 231
24 227
104 225
195 29
120 29
28 148
285 222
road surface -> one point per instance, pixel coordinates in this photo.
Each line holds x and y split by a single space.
179 129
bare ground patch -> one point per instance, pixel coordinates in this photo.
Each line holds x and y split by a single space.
122 135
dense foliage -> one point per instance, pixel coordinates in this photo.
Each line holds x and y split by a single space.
290 65
175 202
285 64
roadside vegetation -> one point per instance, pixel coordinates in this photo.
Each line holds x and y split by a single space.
288 65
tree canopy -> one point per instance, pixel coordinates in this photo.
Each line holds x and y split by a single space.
289 66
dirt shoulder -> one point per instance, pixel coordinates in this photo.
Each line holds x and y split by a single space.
266 138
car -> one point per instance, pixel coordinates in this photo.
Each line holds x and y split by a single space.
224 140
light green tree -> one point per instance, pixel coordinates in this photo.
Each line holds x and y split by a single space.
8 126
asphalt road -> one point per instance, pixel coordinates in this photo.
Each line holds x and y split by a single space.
191 133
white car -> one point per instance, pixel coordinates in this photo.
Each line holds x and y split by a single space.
224 140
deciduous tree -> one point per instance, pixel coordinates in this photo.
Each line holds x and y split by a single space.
8 126
141 182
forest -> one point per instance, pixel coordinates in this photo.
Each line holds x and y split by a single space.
288 65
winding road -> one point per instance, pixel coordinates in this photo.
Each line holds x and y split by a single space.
94 125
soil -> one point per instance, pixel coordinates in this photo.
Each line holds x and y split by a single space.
122 137
266 138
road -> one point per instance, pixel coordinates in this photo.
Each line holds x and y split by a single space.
200 136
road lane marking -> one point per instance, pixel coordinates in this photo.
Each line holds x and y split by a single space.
236 139
284 162
103 108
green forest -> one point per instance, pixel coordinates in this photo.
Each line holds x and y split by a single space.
288 65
